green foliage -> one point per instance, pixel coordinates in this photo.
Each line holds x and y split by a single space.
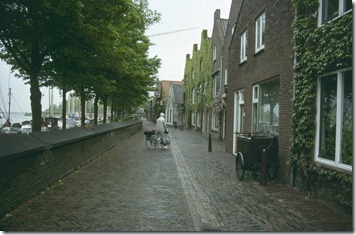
318 50
198 73
96 48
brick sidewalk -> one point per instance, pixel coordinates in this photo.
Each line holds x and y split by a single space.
185 188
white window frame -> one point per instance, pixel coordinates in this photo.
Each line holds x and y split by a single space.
216 82
194 118
226 71
339 117
198 119
239 101
260 32
215 122
255 93
243 47
341 11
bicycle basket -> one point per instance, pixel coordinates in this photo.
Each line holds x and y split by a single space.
149 133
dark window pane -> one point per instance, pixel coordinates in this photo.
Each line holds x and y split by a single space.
347 5
269 107
346 143
330 9
328 117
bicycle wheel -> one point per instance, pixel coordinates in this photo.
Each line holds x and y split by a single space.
240 167
168 141
272 170
150 142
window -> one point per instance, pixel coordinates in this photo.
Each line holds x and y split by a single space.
331 9
215 121
194 95
233 29
243 51
225 76
214 53
265 107
240 110
194 119
198 120
216 84
239 114
334 120
260 32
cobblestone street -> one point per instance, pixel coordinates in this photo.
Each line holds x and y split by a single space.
183 188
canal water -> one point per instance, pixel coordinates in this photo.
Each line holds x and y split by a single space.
15 117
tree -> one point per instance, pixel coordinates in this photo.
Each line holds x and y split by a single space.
30 32
76 45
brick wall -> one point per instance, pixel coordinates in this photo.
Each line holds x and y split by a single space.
29 163
275 60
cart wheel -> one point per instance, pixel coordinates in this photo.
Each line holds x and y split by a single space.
272 170
240 168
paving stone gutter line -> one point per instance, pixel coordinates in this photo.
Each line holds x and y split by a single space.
311 213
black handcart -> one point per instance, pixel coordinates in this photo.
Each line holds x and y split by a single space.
250 148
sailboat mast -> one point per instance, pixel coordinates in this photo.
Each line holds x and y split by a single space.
8 123
9 103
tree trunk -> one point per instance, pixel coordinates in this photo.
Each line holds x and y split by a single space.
112 110
36 106
96 101
64 106
82 101
105 102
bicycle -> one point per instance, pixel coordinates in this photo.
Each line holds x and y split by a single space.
154 141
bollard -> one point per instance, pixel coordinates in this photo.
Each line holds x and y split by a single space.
209 147
263 178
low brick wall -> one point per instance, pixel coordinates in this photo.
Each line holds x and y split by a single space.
30 163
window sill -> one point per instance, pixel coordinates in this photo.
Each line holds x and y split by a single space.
259 51
331 166
243 62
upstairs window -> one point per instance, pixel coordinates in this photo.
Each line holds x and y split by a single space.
331 9
243 49
214 53
226 76
233 29
216 84
260 32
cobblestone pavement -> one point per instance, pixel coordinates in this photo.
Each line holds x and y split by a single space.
183 188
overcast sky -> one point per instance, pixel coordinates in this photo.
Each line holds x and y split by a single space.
188 17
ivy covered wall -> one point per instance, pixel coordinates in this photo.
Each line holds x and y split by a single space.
197 72
318 51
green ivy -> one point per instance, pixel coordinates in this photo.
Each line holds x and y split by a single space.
199 66
318 50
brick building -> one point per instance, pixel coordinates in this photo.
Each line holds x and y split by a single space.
260 73
218 83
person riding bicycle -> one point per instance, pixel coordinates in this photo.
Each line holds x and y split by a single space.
161 127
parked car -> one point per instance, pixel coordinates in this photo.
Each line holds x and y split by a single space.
11 130
26 129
